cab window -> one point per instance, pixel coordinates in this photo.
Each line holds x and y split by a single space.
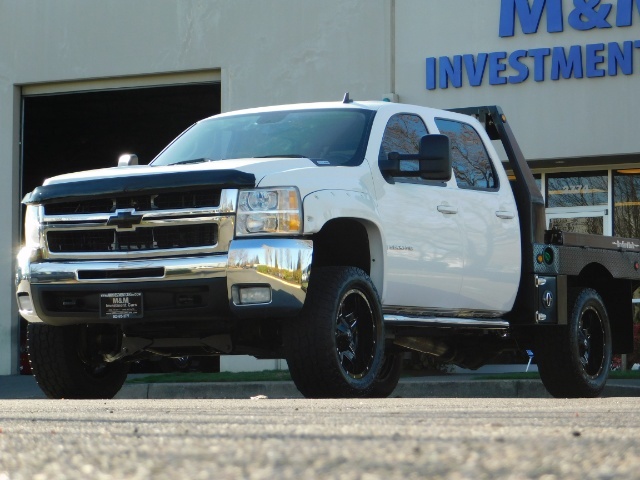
472 167
402 134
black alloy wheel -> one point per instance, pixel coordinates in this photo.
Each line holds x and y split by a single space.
335 347
574 359
355 334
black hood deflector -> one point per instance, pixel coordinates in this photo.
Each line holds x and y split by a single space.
135 184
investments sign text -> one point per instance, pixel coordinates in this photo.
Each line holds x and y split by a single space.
590 60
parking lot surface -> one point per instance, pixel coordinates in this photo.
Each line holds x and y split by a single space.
299 438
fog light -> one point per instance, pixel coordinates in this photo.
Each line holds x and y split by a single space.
24 302
250 295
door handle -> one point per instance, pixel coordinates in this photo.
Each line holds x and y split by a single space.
447 209
505 214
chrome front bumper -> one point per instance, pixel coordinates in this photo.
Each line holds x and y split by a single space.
280 265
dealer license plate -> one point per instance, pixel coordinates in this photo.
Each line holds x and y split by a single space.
120 305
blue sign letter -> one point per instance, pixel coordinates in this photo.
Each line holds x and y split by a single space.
593 60
521 68
566 65
431 73
620 58
475 70
625 12
495 67
529 15
585 16
451 71
538 55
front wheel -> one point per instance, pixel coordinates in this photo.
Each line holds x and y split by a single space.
336 345
389 375
574 360
64 368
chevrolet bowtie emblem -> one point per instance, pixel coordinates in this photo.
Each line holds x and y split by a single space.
124 219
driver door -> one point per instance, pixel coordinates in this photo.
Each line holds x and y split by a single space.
424 251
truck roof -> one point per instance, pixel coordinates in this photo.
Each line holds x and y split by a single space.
361 105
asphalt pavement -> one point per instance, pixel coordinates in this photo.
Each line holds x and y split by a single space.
445 386
329 439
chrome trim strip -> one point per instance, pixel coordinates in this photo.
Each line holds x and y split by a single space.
446 322
143 223
23 280
441 312
181 268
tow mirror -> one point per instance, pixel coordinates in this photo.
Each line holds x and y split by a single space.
435 157
433 162
127 159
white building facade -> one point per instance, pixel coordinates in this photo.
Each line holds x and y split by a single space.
72 73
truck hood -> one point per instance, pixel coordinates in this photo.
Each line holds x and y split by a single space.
236 173
258 166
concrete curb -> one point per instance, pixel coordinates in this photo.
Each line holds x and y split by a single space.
25 387
405 389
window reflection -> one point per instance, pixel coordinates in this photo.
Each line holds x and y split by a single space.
570 190
626 203
471 165
402 135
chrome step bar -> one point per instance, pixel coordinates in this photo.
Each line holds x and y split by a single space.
446 322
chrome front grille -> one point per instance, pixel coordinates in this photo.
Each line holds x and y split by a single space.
159 224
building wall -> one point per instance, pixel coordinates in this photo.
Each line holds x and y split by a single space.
281 51
268 52
564 118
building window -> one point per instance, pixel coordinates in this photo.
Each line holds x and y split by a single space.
626 203
583 190
578 202
538 178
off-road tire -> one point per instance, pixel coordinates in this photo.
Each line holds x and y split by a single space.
59 369
335 347
389 376
574 359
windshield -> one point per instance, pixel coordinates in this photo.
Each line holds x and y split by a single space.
335 136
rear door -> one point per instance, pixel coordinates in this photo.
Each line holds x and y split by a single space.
489 218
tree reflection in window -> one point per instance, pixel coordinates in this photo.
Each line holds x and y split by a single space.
626 201
471 165
402 135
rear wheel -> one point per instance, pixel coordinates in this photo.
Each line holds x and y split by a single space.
64 368
574 360
336 346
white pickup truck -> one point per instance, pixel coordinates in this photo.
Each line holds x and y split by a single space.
334 235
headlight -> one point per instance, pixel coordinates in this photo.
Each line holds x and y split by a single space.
269 211
32 226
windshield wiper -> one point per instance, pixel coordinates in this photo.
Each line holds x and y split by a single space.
291 155
193 160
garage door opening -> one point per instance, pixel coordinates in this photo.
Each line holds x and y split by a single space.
69 132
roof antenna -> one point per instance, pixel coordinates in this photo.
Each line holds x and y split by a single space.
346 98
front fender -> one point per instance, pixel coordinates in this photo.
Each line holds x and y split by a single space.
323 206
